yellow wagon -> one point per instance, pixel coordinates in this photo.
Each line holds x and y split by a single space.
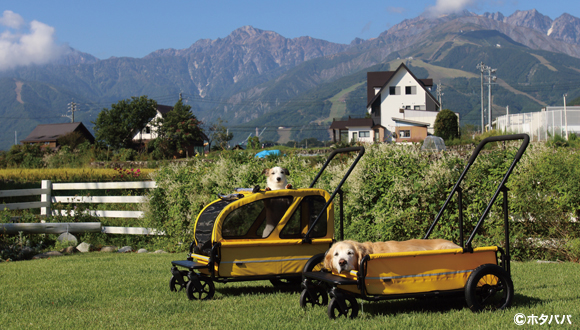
232 244
481 275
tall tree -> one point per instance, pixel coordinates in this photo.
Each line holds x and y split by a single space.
115 127
179 129
446 125
218 134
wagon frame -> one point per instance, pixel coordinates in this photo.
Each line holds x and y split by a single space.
471 272
227 246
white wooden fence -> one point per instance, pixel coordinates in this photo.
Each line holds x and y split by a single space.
46 200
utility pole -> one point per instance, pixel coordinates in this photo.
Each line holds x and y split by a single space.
72 108
482 67
566 116
490 80
440 95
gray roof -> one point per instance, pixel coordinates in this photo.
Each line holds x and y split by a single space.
51 132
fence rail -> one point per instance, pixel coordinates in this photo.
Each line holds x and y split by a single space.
46 201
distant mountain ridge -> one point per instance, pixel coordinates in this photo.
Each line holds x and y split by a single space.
254 77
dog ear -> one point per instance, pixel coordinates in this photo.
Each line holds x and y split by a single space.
266 171
362 249
328 259
286 171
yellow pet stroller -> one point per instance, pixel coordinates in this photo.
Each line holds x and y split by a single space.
232 243
470 272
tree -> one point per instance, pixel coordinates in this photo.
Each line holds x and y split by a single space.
219 134
446 126
115 127
180 127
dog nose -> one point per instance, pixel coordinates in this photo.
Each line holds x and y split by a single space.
278 179
342 262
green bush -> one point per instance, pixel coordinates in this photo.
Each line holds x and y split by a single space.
395 193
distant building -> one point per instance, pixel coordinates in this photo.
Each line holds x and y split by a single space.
402 104
151 131
48 134
357 130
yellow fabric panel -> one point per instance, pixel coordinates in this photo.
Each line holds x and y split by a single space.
298 194
423 271
270 260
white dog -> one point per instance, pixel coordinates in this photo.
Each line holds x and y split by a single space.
276 179
346 255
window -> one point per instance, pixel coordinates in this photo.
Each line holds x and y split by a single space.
364 134
147 129
354 139
410 90
417 107
405 134
251 220
394 90
304 217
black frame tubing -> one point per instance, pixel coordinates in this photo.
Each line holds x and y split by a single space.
501 187
361 152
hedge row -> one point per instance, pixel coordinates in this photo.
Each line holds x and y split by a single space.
395 193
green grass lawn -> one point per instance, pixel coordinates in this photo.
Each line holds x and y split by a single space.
130 291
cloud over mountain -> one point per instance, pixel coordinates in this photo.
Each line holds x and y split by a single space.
24 43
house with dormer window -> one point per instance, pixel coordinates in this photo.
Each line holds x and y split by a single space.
402 104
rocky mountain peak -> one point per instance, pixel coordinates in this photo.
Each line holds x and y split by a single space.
566 28
531 19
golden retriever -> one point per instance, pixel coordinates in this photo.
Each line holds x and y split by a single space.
346 255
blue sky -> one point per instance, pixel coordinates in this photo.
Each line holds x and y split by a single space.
106 28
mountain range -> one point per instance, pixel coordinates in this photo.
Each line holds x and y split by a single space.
290 89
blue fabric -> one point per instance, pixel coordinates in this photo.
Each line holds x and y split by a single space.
263 154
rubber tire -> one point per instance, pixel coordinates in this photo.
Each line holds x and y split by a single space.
207 292
174 285
321 298
351 309
480 295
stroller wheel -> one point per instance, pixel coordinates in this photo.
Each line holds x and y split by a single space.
348 309
313 297
174 283
204 291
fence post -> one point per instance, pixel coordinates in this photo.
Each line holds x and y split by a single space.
46 197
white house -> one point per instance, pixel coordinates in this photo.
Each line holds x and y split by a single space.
149 132
401 103
357 130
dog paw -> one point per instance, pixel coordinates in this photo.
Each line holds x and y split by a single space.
268 189
288 186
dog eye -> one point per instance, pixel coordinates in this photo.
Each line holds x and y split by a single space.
350 253
336 254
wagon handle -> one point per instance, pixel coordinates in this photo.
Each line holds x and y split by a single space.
361 152
523 146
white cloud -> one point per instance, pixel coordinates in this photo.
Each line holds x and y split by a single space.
443 7
24 44
11 19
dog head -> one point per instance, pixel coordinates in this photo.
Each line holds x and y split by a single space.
345 256
276 177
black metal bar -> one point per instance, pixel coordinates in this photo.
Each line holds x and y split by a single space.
507 266
361 151
460 206
340 195
519 154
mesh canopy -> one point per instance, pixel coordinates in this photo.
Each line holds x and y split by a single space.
433 143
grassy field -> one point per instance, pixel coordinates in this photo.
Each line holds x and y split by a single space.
130 291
